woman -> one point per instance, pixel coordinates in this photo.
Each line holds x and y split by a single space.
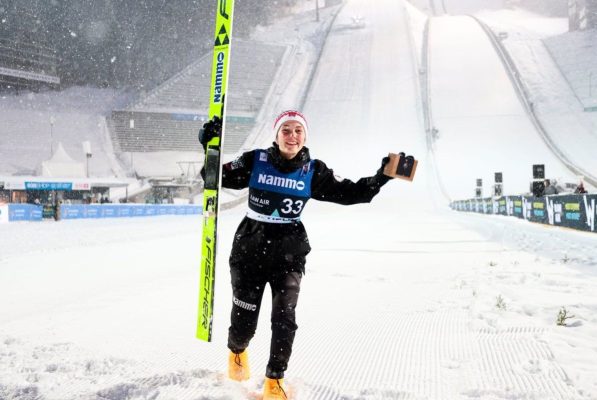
271 244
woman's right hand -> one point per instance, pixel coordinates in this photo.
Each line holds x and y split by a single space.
211 129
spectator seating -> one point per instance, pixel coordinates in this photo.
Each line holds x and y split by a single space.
137 131
168 118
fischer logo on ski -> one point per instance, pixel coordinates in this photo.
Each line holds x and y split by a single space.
206 320
223 9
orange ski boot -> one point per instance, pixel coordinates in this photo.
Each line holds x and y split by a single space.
273 389
238 366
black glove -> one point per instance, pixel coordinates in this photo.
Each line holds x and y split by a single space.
384 162
380 178
211 129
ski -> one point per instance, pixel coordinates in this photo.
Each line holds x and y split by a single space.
217 107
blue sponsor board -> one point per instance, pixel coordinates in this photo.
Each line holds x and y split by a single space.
571 211
502 206
125 210
517 205
137 211
535 209
488 206
24 212
68 186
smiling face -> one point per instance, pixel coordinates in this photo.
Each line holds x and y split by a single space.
290 139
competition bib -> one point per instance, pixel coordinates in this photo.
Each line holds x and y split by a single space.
275 196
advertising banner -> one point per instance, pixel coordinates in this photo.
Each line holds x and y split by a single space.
514 206
501 206
24 212
534 209
68 186
590 211
3 214
571 211
80 211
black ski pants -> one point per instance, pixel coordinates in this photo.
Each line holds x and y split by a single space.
249 277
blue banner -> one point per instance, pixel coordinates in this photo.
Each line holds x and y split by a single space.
68 186
24 212
85 211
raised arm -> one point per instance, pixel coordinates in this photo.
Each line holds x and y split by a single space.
328 187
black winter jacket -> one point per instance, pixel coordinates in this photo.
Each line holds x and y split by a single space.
255 240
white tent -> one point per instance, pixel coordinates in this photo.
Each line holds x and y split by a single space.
61 165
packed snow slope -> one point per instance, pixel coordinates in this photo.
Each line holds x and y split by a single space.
401 300
482 126
363 101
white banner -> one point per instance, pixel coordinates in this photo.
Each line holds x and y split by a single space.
3 214
14 185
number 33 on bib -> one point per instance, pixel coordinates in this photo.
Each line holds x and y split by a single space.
277 196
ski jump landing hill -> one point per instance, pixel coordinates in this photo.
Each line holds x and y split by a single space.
500 103
503 104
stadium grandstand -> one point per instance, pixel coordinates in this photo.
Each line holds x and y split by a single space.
163 123
25 64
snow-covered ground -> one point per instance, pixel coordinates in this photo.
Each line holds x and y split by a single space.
401 300
407 308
